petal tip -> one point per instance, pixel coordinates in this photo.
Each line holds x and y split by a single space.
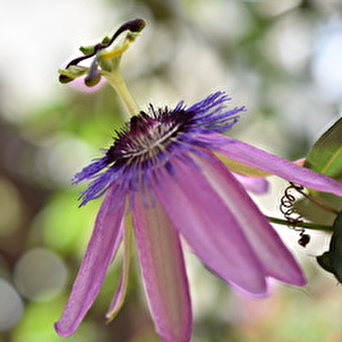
299 280
292 274
61 331
257 294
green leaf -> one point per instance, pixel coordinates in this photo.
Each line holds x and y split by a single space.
331 261
316 214
326 155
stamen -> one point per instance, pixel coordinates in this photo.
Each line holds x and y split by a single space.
106 63
93 76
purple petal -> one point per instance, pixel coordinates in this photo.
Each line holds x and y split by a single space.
101 249
253 184
162 264
210 227
260 159
121 290
276 259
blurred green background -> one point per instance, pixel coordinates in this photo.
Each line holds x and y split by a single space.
282 59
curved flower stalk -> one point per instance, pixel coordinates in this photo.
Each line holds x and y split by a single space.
164 172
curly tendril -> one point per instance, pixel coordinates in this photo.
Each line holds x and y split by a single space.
291 214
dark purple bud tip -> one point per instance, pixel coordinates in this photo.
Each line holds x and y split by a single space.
136 25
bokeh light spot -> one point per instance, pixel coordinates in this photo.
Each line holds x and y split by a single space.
40 274
11 207
11 306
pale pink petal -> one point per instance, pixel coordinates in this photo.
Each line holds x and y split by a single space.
274 256
101 249
260 159
162 264
210 227
253 184
120 293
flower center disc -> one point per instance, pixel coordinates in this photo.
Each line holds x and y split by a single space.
145 137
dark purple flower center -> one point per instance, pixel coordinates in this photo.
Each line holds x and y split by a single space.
147 135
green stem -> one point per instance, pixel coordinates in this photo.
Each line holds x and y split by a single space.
116 80
301 224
